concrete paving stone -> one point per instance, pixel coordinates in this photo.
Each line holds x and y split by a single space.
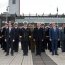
32 59
57 59
50 63
27 60
44 60
16 59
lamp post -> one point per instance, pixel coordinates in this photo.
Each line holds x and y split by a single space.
57 12
7 13
15 16
57 15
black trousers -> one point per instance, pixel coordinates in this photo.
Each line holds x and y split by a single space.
63 45
29 45
38 47
25 47
16 45
9 45
4 44
1 42
21 45
59 44
43 47
48 44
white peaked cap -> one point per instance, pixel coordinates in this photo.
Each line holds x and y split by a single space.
41 22
25 22
16 23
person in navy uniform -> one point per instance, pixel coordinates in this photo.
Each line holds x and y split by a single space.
3 36
9 38
20 35
38 38
54 37
42 27
47 40
32 44
16 37
25 39
29 30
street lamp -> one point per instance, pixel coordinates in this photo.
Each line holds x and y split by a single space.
7 13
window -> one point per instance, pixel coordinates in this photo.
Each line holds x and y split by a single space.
13 1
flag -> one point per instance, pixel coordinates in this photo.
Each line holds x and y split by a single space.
57 9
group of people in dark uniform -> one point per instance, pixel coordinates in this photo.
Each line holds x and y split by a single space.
36 38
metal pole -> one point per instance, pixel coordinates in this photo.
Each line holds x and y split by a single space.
7 13
6 17
57 15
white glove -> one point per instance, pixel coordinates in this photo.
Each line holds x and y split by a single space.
20 36
5 40
42 40
50 40
33 39
13 40
29 36
0 37
58 39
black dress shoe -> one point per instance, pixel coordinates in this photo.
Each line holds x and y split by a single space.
25 54
38 54
43 51
6 54
56 54
4 51
16 51
12 54
52 54
50 50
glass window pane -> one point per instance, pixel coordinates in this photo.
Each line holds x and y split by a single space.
13 1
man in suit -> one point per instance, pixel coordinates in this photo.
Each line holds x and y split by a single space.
29 30
16 37
42 27
9 38
62 37
20 35
25 39
3 36
38 38
54 37
47 40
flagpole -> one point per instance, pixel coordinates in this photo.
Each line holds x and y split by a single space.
6 14
57 12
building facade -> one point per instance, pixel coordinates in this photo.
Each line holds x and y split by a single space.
14 7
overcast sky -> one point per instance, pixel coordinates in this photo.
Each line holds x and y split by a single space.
37 6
